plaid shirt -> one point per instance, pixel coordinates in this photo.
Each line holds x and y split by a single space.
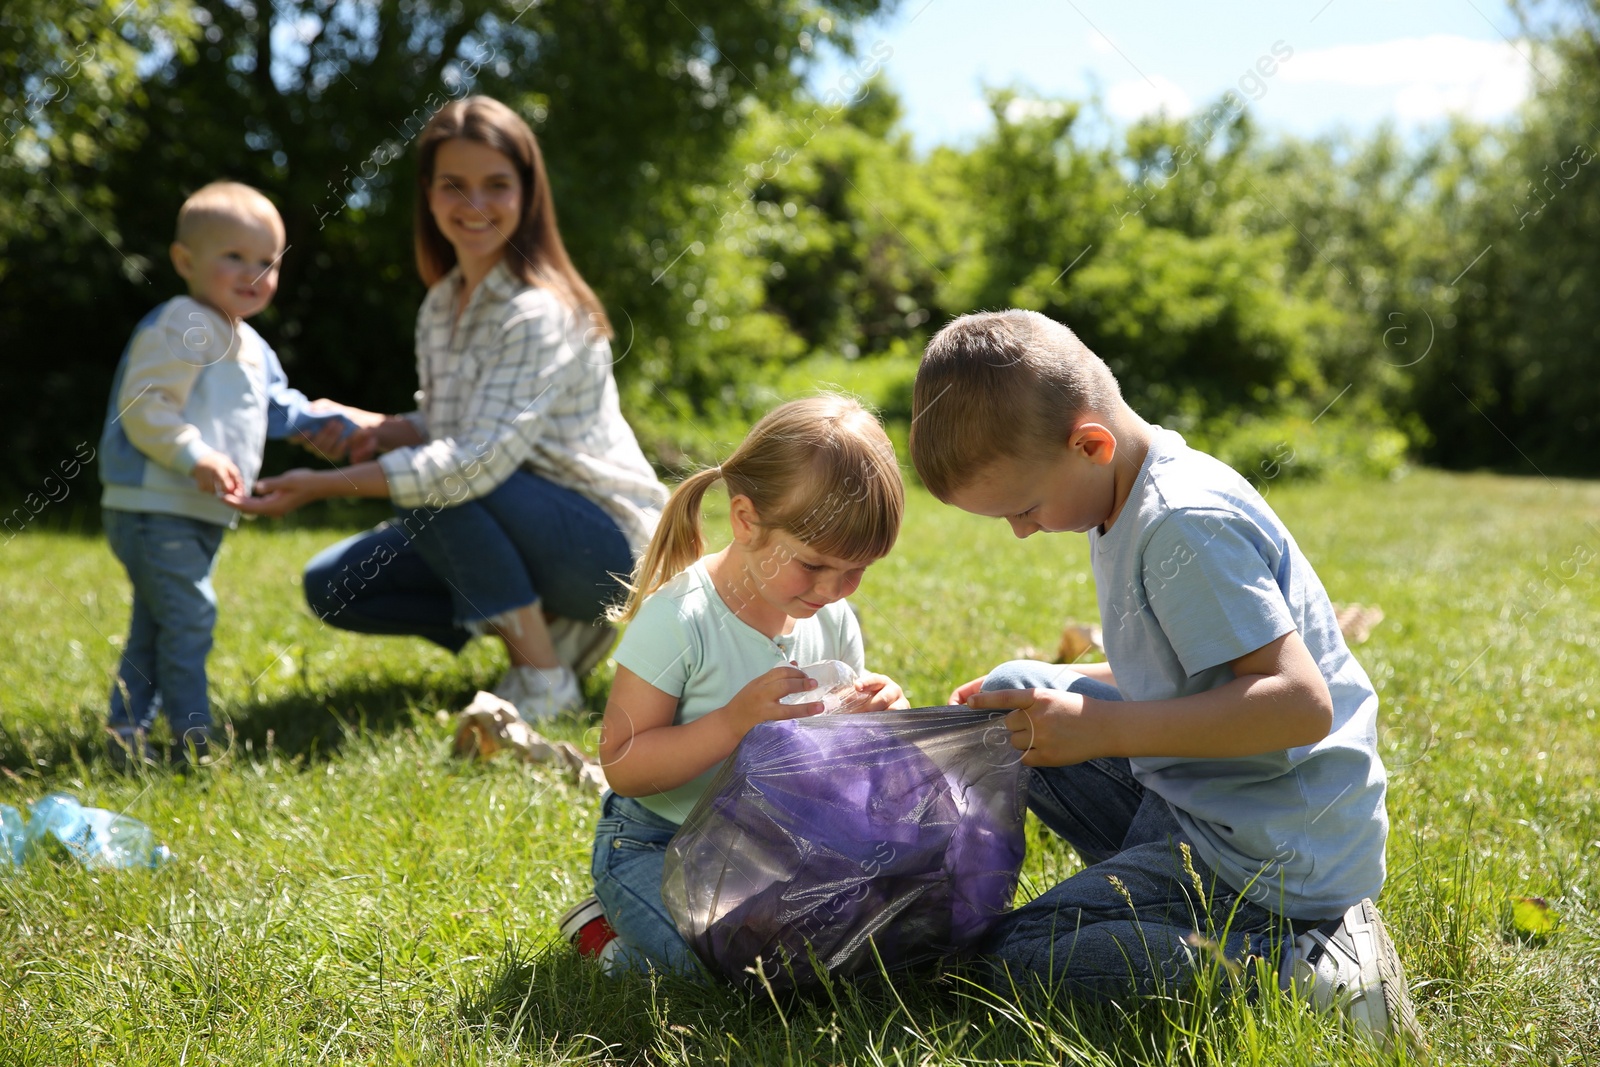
518 383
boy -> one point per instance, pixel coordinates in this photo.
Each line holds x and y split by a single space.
195 397
1219 772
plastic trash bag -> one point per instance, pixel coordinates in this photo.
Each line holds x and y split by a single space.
828 836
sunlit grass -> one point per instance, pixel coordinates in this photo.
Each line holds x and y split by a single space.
345 892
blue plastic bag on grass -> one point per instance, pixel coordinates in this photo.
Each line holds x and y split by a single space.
830 836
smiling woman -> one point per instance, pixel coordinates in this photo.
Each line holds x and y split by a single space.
519 490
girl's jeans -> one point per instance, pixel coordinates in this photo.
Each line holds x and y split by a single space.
169 559
437 573
630 850
1153 933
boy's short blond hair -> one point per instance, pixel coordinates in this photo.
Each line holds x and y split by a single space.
225 202
1001 385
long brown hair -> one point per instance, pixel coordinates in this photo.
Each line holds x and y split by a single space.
821 469
535 253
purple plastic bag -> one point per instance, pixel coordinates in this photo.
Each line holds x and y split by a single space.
832 835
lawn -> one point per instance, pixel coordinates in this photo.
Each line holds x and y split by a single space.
345 892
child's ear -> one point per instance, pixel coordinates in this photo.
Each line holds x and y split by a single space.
746 523
1095 441
182 259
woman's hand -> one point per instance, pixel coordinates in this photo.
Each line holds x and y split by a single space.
389 433
277 496
332 442
963 692
758 701
878 692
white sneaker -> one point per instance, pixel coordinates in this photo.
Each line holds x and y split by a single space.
1350 966
510 687
540 695
579 644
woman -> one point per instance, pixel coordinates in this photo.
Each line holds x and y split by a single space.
519 489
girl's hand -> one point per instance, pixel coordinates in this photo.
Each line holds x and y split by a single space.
277 496
878 692
963 692
758 701
389 433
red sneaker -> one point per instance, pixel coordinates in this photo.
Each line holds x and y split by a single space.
585 925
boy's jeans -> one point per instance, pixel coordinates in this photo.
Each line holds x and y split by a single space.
630 850
434 573
1147 937
169 559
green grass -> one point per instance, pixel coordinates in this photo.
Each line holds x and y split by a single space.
347 893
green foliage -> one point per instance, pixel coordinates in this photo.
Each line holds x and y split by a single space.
1293 447
1520 362
70 86
740 226
317 102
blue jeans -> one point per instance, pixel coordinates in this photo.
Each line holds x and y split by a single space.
435 573
169 560
630 850
1098 941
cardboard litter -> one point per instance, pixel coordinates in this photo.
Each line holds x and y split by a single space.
490 724
1356 621
1076 639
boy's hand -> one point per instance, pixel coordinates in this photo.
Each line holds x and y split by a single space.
215 473
385 435
877 692
963 692
1049 727
332 442
758 701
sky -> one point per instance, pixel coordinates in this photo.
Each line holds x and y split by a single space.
1308 67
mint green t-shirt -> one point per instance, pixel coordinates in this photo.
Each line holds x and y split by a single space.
688 643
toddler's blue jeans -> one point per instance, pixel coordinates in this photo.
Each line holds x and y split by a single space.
434 573
1154 933
630 850
169 559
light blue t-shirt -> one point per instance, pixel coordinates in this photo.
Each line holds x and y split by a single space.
1197 571
689 644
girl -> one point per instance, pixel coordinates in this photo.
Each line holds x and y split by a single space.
814 499
519 489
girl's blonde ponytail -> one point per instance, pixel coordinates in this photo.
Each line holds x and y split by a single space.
677 543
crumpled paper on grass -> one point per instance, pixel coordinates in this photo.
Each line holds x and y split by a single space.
490 724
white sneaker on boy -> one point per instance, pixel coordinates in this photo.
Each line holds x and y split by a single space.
539 694
1350 966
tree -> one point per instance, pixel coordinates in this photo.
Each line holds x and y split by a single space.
316 102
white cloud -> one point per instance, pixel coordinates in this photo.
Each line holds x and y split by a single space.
1101 43
1021 109
1136 98
1431 76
